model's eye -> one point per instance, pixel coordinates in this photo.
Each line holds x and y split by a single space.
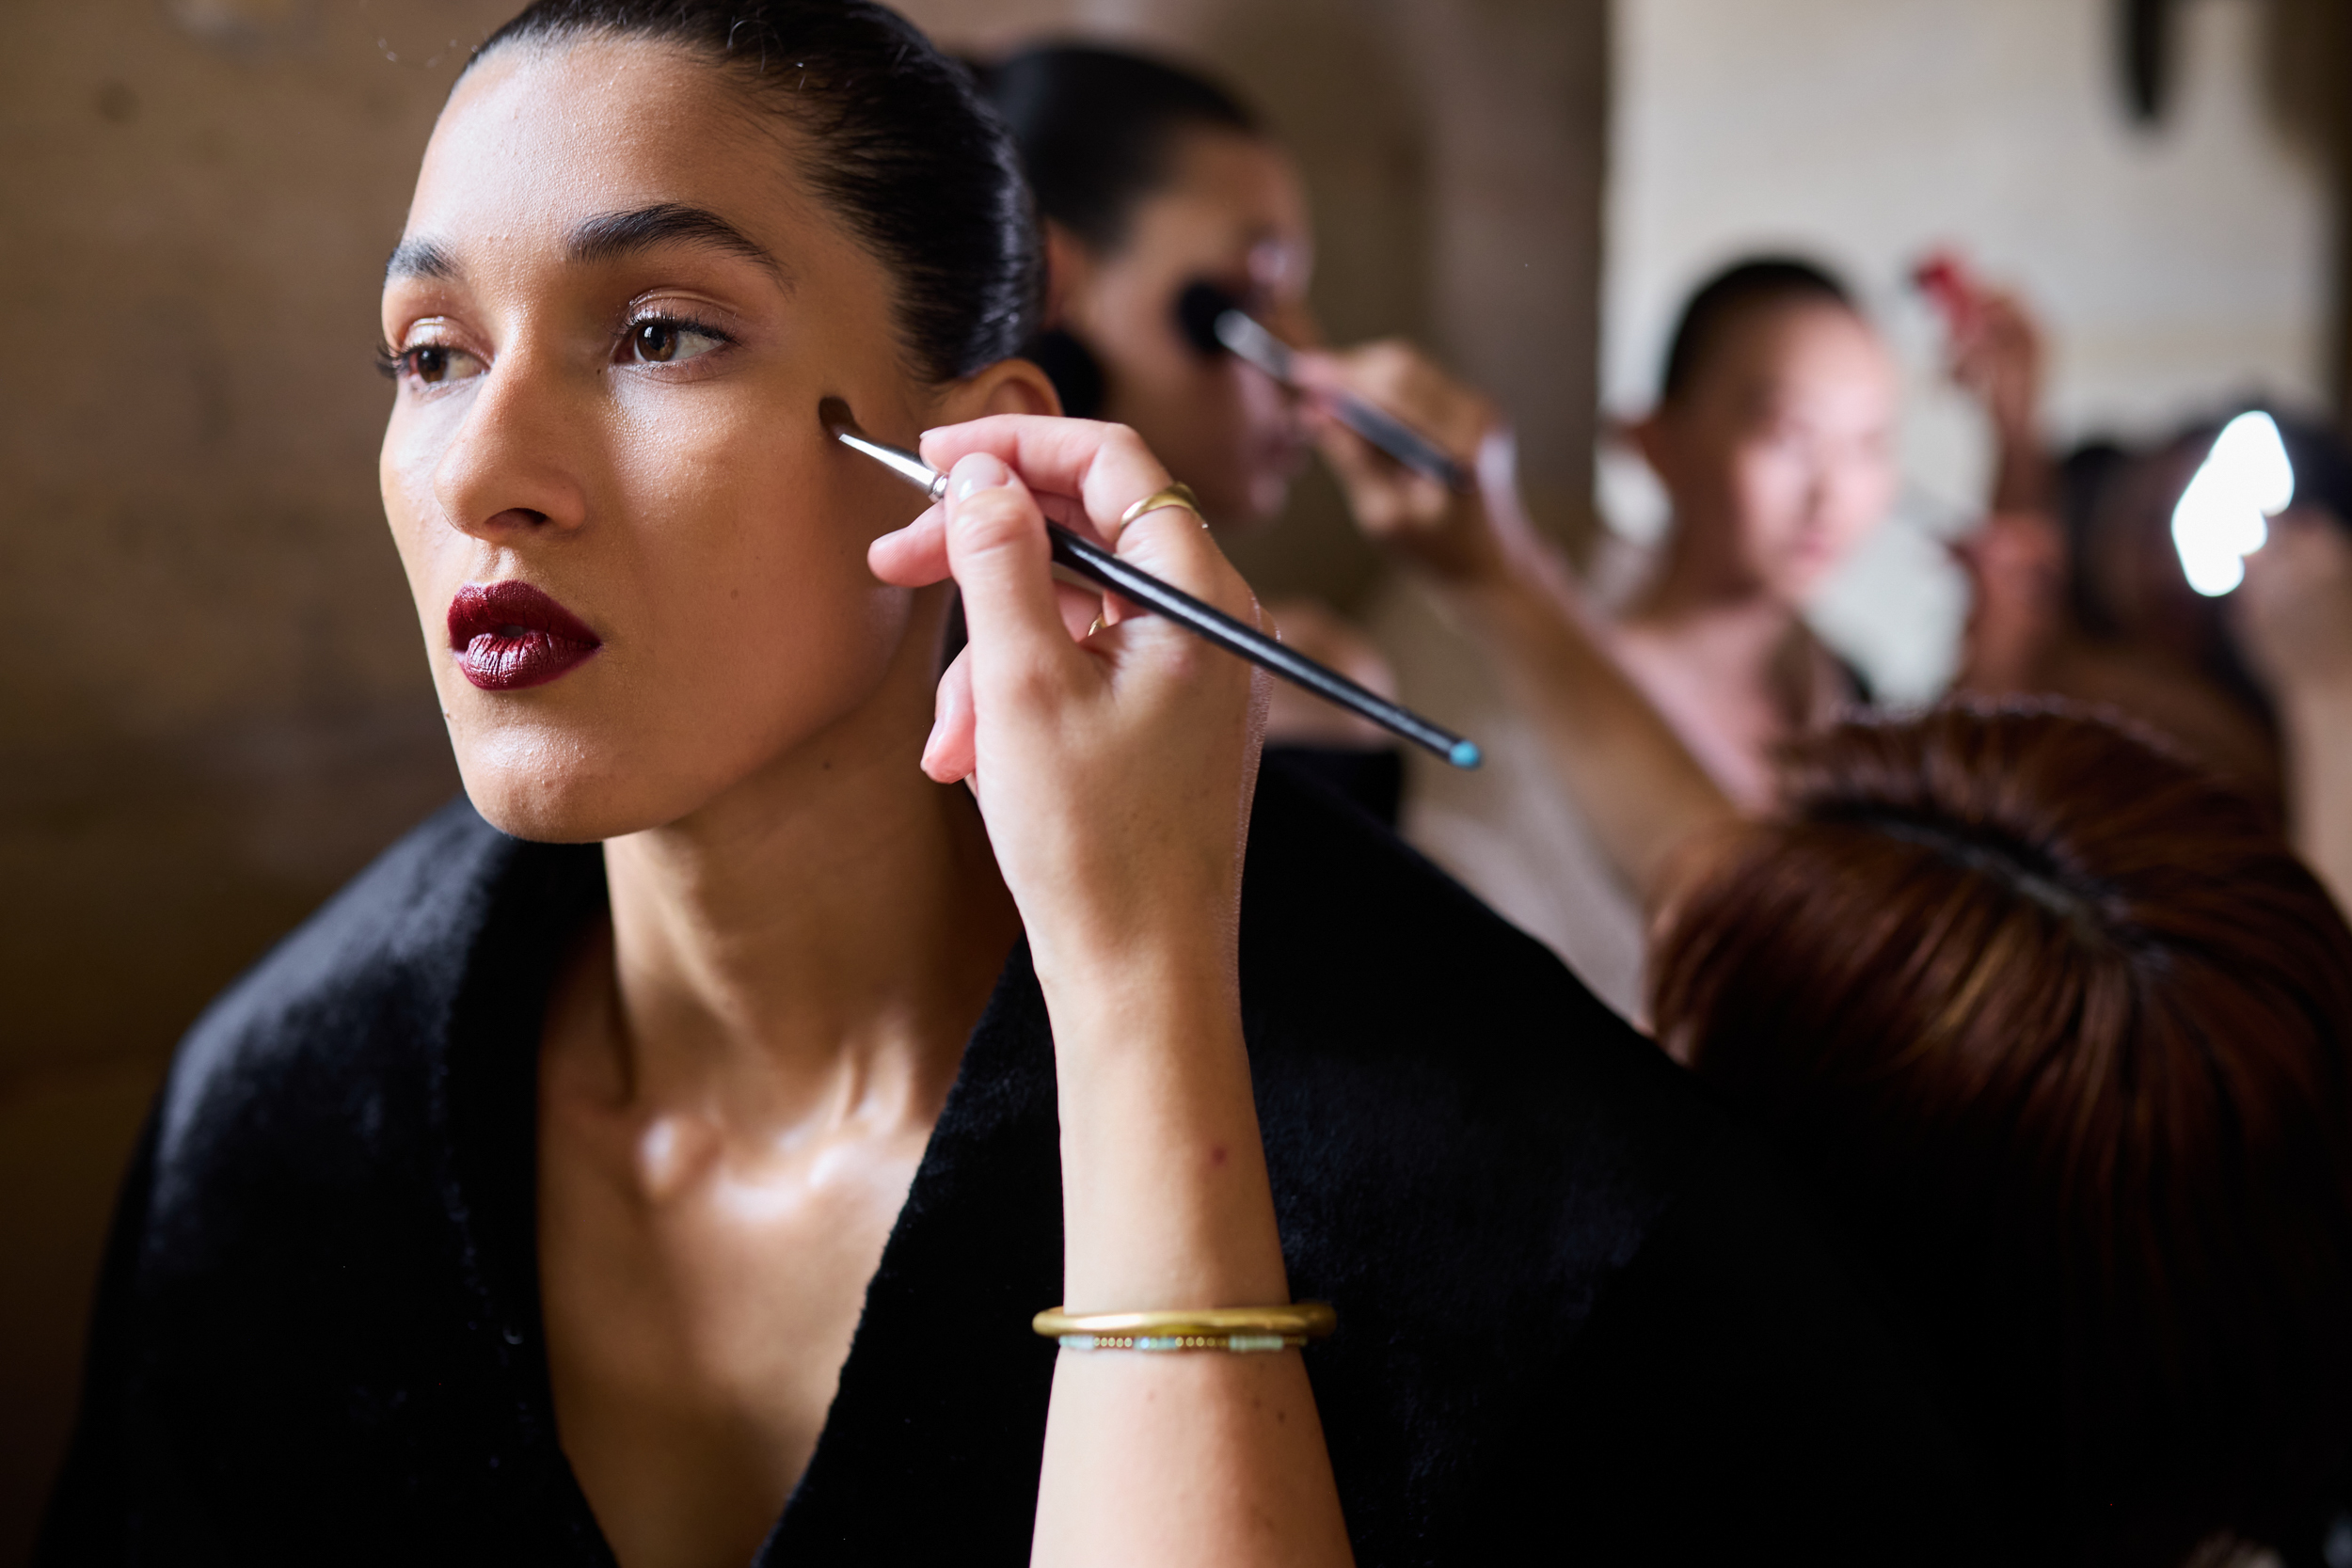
661 342
432 364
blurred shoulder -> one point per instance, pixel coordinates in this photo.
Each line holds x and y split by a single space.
315 1042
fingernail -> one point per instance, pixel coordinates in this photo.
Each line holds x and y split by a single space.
980 470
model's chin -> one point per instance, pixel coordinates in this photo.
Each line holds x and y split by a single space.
556 784
555 805
1800 580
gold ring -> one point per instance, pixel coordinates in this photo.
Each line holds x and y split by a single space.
1175 495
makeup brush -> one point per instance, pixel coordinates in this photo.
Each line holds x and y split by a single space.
1215 322
1084 557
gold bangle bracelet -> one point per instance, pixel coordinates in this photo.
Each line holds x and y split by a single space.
1240 1344
1306 1319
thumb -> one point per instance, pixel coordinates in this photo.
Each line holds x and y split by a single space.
1000 556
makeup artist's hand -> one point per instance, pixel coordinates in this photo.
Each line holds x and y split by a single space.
1115 769
1994 353
1461 539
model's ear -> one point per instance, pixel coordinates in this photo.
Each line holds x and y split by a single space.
1008 386
1070 268
1651 436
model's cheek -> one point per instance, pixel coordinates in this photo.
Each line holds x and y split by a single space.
1767 496
1861 498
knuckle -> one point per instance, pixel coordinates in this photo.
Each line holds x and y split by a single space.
1121 441
992 517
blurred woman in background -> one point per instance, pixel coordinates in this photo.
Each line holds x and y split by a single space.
1773 437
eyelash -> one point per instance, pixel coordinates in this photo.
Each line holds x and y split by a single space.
393 363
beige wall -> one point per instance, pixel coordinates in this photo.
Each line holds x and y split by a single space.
211 706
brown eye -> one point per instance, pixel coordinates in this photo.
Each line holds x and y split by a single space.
435 364
660 341
657 342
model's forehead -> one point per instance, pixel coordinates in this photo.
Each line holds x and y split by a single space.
539 136
1243 172
1810 350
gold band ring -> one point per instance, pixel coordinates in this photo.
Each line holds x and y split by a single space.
1175 495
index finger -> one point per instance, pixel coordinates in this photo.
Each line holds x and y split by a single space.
1105 468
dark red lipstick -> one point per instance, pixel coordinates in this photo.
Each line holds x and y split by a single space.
509 635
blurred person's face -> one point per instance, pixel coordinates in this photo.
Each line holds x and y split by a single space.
1779 456
639 560
1234 214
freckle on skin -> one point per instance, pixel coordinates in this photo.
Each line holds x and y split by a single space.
1217 1154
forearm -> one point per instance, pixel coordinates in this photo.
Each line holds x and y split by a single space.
2319 784
1629 774
2023 479
1189 1456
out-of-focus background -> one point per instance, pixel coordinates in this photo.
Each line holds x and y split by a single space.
213 710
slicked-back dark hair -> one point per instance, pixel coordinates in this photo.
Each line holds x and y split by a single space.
1098 128
1739 291
910 156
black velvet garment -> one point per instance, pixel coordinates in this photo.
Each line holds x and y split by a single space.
1579 1321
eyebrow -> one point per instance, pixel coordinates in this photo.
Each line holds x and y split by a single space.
419 258
605 238
613 235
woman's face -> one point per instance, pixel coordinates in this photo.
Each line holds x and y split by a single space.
639 561
1780 456
1234 214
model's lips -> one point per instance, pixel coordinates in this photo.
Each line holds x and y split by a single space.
510 634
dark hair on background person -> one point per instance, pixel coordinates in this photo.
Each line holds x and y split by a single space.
914 160
1097 129
2060 1026
1739 291
1098 132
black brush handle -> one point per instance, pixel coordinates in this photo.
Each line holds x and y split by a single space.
1401 441
1104 569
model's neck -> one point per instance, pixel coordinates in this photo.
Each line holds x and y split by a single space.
829 927
1702 598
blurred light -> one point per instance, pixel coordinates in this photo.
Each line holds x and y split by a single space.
2221 517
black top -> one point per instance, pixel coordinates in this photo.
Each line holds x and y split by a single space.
1578 1319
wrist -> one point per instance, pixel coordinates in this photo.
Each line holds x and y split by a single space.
1133 996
